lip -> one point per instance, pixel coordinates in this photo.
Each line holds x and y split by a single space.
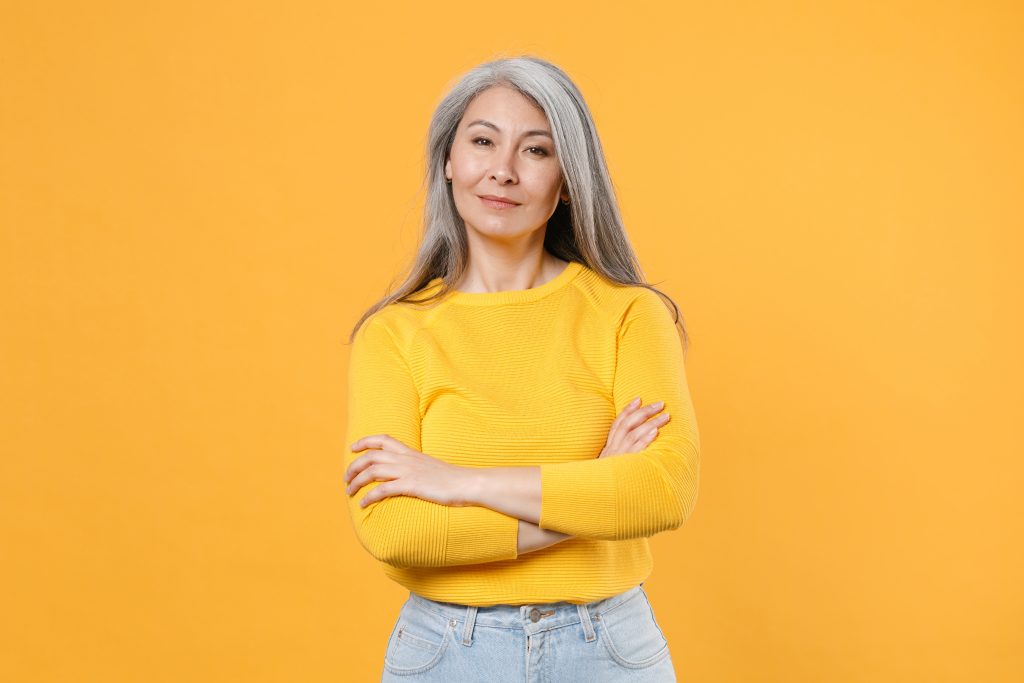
496 202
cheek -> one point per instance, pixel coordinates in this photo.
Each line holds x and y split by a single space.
465 167
543 188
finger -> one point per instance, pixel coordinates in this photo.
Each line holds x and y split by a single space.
630 407
640 416
659 420
360 444
650 434
619 420
376 472
356 466
362 462
388 488
643 437
380 441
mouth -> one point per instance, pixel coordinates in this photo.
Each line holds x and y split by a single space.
497 203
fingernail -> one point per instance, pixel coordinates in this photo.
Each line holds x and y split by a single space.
635 402
659 404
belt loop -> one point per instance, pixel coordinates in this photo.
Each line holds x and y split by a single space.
588 626
467 630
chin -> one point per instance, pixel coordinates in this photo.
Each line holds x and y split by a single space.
500 230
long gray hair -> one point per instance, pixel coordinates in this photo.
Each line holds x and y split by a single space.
589 230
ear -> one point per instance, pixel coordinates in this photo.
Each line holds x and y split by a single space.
448 169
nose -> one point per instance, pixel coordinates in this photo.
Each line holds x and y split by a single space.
504 170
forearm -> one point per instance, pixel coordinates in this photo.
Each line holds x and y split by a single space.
515 491
532 537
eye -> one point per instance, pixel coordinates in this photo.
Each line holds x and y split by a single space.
538 151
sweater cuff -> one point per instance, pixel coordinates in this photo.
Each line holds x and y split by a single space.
579 497
475 532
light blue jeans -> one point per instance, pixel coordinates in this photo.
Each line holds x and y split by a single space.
615 639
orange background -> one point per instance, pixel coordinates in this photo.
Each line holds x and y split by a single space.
198 199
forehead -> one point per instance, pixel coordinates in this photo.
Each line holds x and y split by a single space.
507 108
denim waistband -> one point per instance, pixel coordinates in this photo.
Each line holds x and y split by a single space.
533 618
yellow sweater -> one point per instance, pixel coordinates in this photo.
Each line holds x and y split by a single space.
530 377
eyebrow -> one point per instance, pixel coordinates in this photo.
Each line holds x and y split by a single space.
529 133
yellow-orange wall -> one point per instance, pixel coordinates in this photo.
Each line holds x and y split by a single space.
197 199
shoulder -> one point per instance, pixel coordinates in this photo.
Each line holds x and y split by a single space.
396 324
647 302
620 303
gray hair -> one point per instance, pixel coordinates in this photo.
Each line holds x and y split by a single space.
589 230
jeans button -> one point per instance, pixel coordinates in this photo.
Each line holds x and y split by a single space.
535 614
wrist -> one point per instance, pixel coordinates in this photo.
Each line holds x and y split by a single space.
532 537
474 486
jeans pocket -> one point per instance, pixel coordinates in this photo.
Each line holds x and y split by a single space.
631 634
419 640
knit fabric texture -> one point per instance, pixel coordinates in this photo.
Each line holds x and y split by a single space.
529 377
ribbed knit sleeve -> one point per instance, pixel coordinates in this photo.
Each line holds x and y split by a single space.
404 531
634 494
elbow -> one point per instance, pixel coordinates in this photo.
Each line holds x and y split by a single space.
382 552
680 492
676 519
372 544
668 514
683 501
686 483
397 560
391 549
681 511
389 553
671 515
392 531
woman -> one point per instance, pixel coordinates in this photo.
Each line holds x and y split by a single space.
499 466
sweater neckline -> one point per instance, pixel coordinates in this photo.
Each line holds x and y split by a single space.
516 296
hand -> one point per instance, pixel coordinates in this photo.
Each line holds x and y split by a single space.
631 432
404 472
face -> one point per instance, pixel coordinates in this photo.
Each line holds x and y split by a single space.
503 147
